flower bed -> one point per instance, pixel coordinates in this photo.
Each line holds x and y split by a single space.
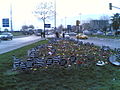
62 52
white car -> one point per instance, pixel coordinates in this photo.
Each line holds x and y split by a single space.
6 36
51 36
66 35
72 33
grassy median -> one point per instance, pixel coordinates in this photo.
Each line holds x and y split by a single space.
105 36
74 78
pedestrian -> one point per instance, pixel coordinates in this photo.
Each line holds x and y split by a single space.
41 34
44 34
63 35
57 34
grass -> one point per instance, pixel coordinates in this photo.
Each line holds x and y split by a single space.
17 33
73 78
105 36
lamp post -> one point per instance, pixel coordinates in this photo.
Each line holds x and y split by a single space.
80 17
11 24
55 15
80 22
65 22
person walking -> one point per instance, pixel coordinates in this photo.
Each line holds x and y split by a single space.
63 34
57 34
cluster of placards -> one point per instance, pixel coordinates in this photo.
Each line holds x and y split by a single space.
115 58
61 52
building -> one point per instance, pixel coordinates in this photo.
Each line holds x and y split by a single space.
99 24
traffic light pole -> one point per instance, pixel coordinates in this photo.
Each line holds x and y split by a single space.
116 7
110 6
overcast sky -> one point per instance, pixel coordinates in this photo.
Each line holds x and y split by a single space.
71 9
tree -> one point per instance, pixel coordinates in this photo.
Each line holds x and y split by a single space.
104 17
60 28
44 10
104 29
31 26
116 21
24 27
6 30
105 26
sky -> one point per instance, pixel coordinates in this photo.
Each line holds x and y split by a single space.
68 11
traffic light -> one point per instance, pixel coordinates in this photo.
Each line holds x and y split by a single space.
110 6
77 22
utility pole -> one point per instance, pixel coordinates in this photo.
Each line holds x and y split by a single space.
55 15
80 17
65 22
80 22
11 24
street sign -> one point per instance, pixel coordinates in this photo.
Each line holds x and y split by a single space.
47 25
5 22
69 27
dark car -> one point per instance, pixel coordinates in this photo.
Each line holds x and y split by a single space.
6 36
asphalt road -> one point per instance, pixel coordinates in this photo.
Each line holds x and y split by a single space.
112 43
8 45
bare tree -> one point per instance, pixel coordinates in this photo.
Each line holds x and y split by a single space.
105 25
44 10
104 17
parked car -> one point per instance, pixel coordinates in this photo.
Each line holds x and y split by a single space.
81 36
72 33
110 34
6 36
38 32
66 35
99 33
86 32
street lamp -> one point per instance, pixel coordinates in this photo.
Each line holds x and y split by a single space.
55 15
65 22
11 17
80 17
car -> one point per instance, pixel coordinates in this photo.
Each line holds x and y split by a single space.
38 32
110 34
81 36
6 36
86 32
72 33
65 35
100 33
51 36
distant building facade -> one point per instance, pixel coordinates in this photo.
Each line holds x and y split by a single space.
86 26
99 24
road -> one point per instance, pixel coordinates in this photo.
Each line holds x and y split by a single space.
112 43
8 45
